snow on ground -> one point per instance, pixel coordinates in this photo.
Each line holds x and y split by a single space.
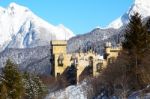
72 92
138 96
141 94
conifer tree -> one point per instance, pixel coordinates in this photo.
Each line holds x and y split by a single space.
34 88
40 87
135 44
28 86
12 82
135 36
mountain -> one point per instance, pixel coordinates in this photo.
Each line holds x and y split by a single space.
95 39
21 28
140 6
34 60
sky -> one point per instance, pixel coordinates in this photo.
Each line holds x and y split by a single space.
80 16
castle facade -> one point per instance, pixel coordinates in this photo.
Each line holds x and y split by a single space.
89 63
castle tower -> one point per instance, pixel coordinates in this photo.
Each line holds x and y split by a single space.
108 47
111 53
58 52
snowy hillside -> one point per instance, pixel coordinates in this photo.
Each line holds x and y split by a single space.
80 91
95 38
20 28
140 6
35 60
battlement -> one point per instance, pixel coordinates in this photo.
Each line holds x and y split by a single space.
111 49
115 49
58 42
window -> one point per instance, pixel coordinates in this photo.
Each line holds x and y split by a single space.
99 67
74 59
111 60
90 61
106 55
60 60
58 74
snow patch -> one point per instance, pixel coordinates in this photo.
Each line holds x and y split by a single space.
140 6
71 92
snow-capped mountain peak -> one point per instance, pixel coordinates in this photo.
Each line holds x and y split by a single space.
140 6
21 28
142 2
13 6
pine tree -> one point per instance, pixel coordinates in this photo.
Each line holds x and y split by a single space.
34 88
28 86
41 88
13 81
135 35
135 44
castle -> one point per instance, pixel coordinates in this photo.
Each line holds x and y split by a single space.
89 63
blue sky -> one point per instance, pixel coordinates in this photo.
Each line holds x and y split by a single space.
80 16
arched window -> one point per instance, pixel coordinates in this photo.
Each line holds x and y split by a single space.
91 61
60 60
99 67
74 59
